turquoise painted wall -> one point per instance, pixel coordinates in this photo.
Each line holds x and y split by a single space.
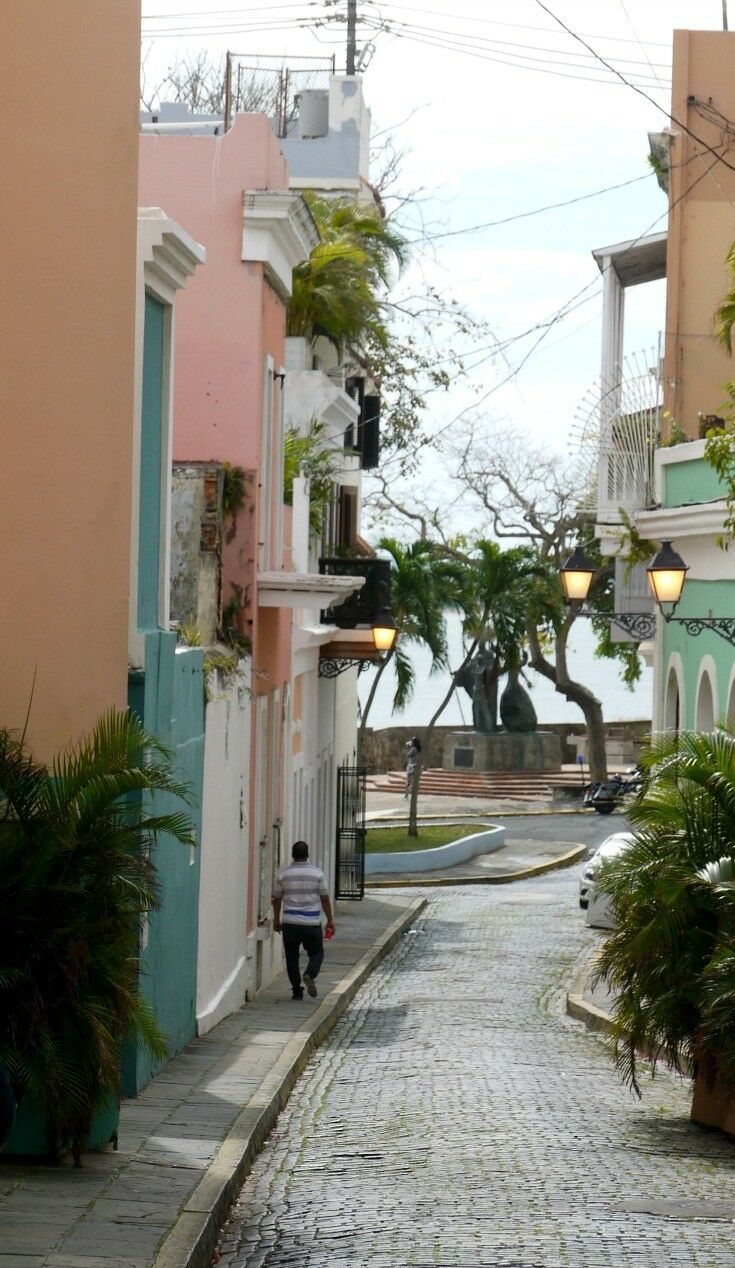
691 481
151 464
168 696
700 598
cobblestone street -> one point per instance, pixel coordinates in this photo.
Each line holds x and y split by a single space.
456 1117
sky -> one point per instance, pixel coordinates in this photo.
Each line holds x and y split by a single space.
499 112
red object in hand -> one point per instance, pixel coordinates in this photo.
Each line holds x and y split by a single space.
328 934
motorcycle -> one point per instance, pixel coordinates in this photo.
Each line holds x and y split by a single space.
604 797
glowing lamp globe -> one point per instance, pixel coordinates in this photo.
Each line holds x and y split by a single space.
384 631
576 576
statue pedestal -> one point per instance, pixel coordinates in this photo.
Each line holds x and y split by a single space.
506 751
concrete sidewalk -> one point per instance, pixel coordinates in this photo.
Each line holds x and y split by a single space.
187 1141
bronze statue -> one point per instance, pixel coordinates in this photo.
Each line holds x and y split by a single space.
479 678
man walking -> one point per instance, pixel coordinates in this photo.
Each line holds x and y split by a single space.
301 890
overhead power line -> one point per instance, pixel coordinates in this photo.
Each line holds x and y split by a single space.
454 16
637 88
475 40
544 66
575 301
537 211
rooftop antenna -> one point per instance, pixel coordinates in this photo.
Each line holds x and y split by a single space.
228 90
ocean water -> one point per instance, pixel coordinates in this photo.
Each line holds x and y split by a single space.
602 676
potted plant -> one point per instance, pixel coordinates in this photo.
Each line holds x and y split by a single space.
77 877
671 960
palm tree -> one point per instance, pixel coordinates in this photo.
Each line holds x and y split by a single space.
496 592
425 585
76 878
336 292
671 958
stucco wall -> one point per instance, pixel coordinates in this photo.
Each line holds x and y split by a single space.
708 652
68 136
196 542
223 971
701 229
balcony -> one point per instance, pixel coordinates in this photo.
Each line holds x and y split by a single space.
360 608
619 430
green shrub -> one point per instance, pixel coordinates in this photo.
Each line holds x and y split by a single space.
671 958
76 879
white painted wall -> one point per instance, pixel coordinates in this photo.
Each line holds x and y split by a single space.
222 976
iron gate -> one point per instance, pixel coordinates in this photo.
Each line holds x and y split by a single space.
350 855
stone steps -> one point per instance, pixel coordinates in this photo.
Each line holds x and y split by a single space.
528 785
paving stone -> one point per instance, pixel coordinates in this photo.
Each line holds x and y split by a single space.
455 1117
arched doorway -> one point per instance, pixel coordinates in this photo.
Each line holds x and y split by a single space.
672 703
705 714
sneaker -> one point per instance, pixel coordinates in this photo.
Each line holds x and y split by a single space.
310 984
298 995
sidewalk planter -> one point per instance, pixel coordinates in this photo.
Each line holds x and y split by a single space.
485 842
712 1106
29 1137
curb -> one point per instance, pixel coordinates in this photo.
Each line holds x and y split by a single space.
468 814
504 878
594 1018
192 1239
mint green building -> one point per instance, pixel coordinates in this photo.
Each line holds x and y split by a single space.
694 675
166 682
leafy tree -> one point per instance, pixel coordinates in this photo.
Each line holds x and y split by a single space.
670 959
533 495
76 878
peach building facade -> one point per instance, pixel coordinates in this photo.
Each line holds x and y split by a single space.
701 226
68 334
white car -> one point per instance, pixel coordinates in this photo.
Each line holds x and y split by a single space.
597 908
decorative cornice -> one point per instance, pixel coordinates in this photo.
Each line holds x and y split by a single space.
278 232
304 589
168 254
702 519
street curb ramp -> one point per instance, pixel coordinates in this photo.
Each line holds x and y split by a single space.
424 879
192 1239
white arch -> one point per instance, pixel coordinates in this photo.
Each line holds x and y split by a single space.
706 712
730 698
674 711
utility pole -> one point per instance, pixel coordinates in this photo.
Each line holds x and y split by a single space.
724 15
228 90
352 35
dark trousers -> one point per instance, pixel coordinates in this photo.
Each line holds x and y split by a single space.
310 938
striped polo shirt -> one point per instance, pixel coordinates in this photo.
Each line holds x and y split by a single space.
300 887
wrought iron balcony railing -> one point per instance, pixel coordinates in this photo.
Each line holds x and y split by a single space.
363 607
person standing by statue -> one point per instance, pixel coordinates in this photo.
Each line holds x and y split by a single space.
413 749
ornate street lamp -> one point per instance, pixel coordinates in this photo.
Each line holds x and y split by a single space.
385 630
666 575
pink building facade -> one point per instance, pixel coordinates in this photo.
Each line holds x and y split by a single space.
231 193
